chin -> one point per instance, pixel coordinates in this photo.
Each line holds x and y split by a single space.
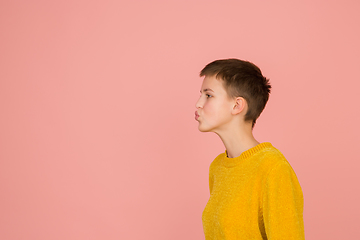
204 129
201 129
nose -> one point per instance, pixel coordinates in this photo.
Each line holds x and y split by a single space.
198 103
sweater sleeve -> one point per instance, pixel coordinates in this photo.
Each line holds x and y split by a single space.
283 204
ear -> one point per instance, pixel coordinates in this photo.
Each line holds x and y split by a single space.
239 105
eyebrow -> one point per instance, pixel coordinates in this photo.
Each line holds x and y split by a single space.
207 90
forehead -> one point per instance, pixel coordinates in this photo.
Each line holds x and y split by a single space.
211 82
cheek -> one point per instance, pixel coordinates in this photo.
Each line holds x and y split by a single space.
212 110
208 108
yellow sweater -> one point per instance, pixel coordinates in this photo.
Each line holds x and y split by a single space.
254 196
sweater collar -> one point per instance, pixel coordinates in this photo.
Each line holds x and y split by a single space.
231 162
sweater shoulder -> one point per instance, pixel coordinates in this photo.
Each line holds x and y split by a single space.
217 161
271 158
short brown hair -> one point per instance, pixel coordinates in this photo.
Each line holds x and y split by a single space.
242 79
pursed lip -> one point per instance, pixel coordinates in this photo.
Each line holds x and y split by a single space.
196 115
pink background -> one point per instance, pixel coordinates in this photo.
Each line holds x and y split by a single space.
97 98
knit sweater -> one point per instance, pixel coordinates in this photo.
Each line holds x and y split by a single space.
254 196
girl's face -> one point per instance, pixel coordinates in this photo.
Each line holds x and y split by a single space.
214 107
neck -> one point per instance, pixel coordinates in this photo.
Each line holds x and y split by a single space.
238 140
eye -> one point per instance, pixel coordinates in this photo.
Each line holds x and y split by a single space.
208 96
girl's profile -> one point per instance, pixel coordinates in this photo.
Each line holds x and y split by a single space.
254 192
